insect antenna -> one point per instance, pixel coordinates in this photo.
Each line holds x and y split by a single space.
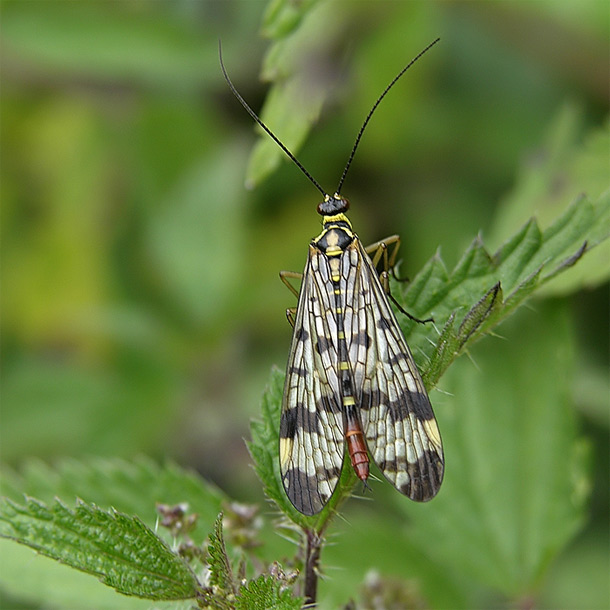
258 120
372 110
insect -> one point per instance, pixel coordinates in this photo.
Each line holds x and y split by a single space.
351 379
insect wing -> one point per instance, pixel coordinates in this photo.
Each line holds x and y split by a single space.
395 412
311 425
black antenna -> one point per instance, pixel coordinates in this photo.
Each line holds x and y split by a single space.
255 117
372 110
358 137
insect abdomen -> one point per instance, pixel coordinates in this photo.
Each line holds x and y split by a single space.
356 445
336 250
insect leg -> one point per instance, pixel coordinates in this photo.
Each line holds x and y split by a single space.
291 312
379 252
286 276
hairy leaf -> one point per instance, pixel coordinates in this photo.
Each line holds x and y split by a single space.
484 289
265 592
221 573
517 478
120 550
133 487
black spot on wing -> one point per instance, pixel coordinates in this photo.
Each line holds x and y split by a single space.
398 357
297 370
298 417
328 404
300 334
393 466
322 344
373 398
288 424
416 403
302 489
384 324
361 338
425 476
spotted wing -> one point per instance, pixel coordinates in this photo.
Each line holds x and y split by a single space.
395 412
311 425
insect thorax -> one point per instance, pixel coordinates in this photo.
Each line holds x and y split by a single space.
336 235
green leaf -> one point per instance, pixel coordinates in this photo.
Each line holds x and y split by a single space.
221 573
107 42
264 446
563 167
516 480
37 581
295 99
132 487
282 17
266 592
383 532
291 113
203 208
483 289
120 550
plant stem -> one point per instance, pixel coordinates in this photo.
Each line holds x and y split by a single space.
312 559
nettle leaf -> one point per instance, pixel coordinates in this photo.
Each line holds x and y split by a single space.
266 592
120 550
228 588
132 487
517 478
264 446
294 101
221 573
484 289
282 17
565 163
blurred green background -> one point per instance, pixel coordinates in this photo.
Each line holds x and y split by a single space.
141 306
